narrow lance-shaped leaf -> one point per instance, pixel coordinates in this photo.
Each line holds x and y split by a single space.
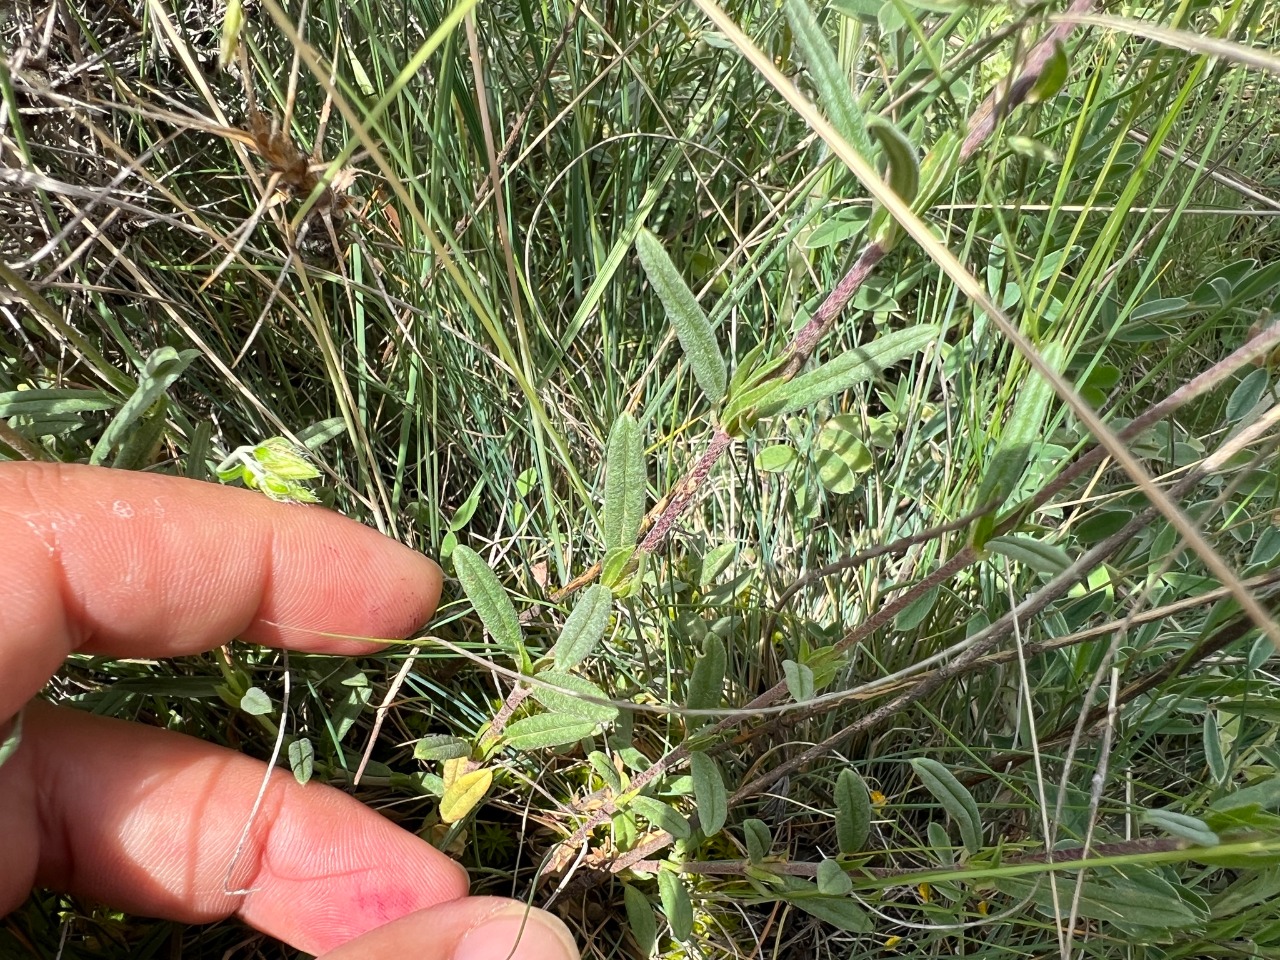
640 919
759 839
661 815
1053 77
624 483
835 96
676 904
493 606
853 812
955 799
583 702
903 179
547 730
706 685
709 793
162 368
584 628
692 327
850 368
1017 439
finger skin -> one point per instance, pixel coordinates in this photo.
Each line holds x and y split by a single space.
130 564
148 821
134 564
478 927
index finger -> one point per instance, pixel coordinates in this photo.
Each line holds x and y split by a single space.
142 565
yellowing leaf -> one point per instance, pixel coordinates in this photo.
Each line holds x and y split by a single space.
461 796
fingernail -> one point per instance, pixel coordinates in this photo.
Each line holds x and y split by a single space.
518 932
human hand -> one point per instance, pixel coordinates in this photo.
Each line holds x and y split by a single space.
146 820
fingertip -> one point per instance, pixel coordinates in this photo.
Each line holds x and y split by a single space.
477 928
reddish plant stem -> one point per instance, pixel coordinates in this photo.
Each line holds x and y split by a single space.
1121 848
685 491
801 348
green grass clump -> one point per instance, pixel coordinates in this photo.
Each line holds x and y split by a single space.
848 431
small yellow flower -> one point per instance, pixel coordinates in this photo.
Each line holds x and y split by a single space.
926 893
892 943
878 799
984 907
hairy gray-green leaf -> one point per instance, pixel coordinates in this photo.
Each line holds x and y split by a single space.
640 919
841 912
1035 554
163 367
903 179
799 679
676 904
1182 825
835 95
706 684
302 760
692 327
661 815
582 705
853 812
709 792
441 746
759 839
1017 440
955 799
493 606
832 880
852 367
624 483
584 627
547 730
255 702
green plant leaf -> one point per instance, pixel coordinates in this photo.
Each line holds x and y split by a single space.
709 792
917 611
493 606
1016 443
302 760
775 458
255 702
832 880
842 913
640 920
903 179
1247 394
1213 755
463 794
799 678
1180 825
1034 554
624 483
441 747
676 904
162 368
661 815
853 812
955 799
468 508
835 95
759 839
547 730
570 705
855 366
1052 78
706 683
692 327
584 627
